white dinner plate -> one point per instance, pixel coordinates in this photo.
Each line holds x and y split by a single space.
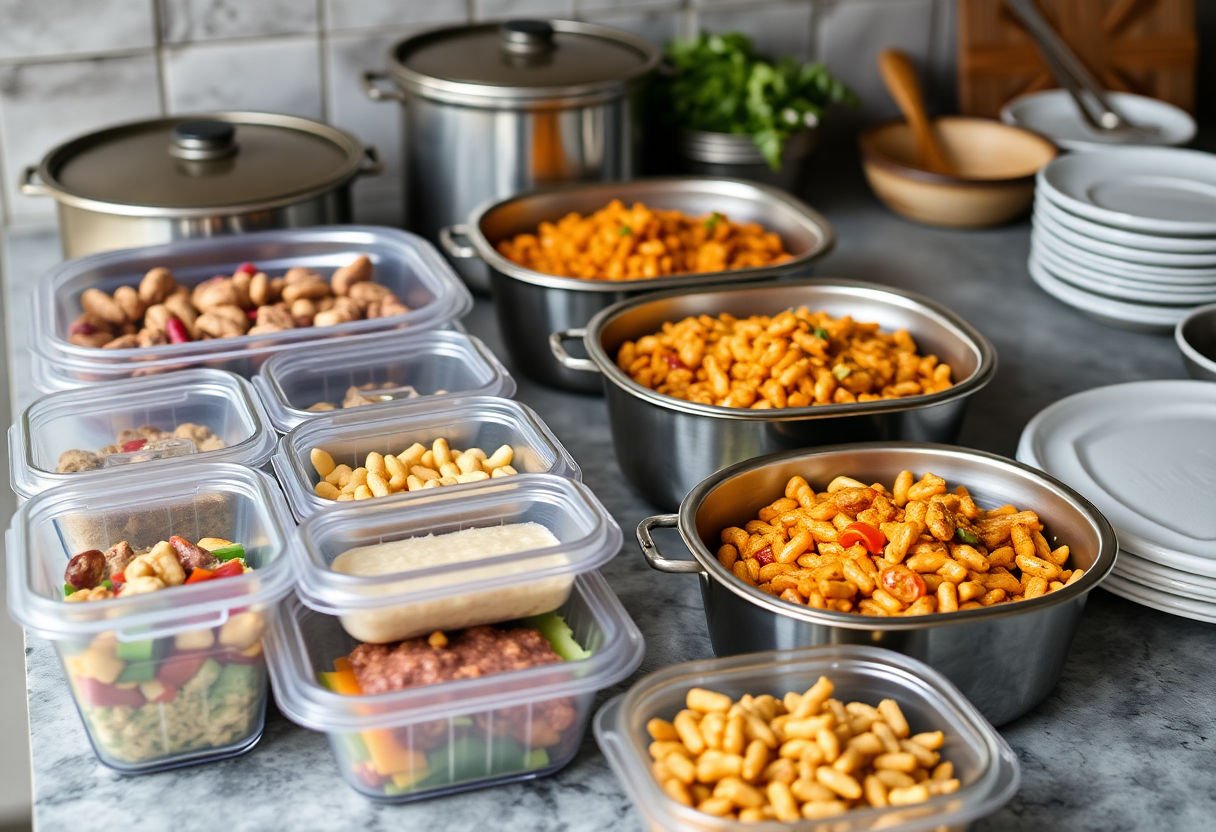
1122 254
1157 190
1173 581
1138 594
1144 454
1118 313
1118 288
1146 242
1053 113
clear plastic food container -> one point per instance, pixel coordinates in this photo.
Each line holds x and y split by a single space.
459 735
484 422
983 761
222 407
405 263
398 367
170 677
465 591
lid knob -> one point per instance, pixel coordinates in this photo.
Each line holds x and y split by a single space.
526 37
203 139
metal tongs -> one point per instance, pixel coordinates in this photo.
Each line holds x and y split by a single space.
1087 93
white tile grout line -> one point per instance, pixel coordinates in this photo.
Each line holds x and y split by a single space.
162 88
323 59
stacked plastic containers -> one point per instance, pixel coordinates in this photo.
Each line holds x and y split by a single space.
402 262
464 733
170 677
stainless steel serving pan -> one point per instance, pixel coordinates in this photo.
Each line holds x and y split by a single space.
531 304
666 445
1005 658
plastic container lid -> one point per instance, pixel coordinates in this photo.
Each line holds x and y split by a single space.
405 263
90 418
349 436
983 761
587 537
199 164
616 654
452 362
1144 454
503 64
144 506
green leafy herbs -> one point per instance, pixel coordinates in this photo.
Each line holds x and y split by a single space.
821 333
624 231
720 84
968 537
711 222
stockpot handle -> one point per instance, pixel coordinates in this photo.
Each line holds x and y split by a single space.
372 165
448 238
557 346
371 79
28 186
651 551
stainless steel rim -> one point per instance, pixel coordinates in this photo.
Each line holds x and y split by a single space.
1108 546
494 97
513 270
739 148
984 372
357 155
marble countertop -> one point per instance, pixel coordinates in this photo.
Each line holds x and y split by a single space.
1124 742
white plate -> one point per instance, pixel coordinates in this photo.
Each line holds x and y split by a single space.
1118 288
1114 312
1194 610
1144 454
1122 255
1188 279
1053 113
1182 584
1146 242
1159 190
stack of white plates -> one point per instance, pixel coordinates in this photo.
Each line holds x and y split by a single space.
1127 235
1145 454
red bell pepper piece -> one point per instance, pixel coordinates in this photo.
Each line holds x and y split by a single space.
765 556
100 695
872 539
228 570
177 670
118 578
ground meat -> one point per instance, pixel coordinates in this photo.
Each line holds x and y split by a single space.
117 557
477 651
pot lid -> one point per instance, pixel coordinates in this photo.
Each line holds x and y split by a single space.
495 64
201 164
1142 453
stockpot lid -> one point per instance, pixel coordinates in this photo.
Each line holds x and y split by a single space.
500 65
201 164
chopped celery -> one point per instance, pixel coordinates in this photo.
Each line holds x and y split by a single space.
225 553
559 635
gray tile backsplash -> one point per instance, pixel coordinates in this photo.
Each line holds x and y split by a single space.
45 28
83 96
185 21
61 75
355 14
281 75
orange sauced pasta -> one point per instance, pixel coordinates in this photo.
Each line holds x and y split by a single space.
631 243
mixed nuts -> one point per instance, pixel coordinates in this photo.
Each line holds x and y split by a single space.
144 442
249 302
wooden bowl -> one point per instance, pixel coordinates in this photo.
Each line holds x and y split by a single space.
995 164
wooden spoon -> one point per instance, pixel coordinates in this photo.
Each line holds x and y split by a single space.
900 78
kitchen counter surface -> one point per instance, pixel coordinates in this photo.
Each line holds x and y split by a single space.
1124 742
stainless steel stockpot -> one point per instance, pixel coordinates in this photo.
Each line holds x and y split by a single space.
1005 658
159 180
666 445
531 305
494 109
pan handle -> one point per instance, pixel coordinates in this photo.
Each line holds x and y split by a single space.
456 250
557 346
372 165
29 186
372 88
651 551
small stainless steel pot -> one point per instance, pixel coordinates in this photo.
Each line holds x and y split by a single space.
736 155
1005 658
531 305
666 445
155 181
493 109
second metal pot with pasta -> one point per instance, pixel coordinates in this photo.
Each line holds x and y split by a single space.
495 109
